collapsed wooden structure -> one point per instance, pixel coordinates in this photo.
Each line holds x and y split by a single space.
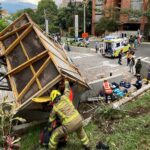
34 62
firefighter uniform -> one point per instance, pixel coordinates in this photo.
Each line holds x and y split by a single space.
70 118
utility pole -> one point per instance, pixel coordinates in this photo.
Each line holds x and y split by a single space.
84 17
46 22
84 14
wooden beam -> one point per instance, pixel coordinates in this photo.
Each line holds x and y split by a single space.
12 83
31 67
14 44
52 58
27 63
75 79
33 79
14 31
39 93
11 25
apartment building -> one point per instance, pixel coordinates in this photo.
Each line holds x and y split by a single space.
119 10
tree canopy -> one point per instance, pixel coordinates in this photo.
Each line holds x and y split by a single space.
105 24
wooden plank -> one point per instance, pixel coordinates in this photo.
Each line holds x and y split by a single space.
31 67
11 25
27 63
51 55
40 92
12 83
14 44
14 31
22 128
33 79
75 80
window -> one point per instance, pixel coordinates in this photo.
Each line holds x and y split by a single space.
136 4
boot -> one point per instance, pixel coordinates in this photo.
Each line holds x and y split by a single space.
101 146
87 147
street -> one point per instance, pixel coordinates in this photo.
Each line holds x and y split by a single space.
94 66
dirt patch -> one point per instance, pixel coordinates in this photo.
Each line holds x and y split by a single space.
139 111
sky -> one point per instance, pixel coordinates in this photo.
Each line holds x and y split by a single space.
31 1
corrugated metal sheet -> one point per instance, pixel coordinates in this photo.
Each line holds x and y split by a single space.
34 62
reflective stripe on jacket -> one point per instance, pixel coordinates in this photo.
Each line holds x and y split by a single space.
107 88
64 108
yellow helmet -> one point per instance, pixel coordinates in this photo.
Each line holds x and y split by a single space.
54 94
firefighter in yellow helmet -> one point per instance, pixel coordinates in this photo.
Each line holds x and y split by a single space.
70 118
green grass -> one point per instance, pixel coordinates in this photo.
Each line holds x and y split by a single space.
131 132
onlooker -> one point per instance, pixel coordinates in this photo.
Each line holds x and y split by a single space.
128 56
135 42
132 63
138 83
96 46
131 41
148 75
120 57
138 67
107 90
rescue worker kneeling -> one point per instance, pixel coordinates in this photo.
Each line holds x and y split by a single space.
70 118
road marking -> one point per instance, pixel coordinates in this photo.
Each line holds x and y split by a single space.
94 67
83 56
92 49
145 58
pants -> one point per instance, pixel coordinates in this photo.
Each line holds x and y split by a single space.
128 61
74 126
106 97
137 71
131 69
119 61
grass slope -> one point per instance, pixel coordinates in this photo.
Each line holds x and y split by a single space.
132 132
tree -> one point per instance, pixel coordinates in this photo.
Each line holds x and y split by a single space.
3 24
50 9
30 11
66 16
105 24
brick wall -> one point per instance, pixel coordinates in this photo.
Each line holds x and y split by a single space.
125 4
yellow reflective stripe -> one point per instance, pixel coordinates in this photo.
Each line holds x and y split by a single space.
52 139
51 146
67 120
51 119
85 143
85 140
61 114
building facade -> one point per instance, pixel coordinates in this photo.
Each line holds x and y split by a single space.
126 12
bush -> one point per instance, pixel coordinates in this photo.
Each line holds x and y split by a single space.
3 24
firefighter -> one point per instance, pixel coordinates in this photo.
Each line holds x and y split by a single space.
107 90
70 118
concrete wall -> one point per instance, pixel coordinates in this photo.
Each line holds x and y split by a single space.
96 86
145 66
80 49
